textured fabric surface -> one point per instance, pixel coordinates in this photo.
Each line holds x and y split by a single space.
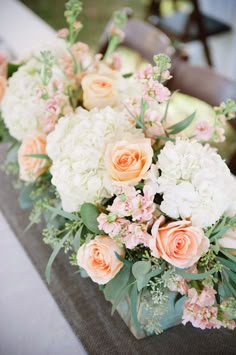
85 308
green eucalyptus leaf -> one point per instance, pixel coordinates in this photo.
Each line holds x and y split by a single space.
190 276
60 212
229 264
228 255
89 214
54 255
133 306
144 280
38 156
77 238
120 296
182 125
141 268
119 282
24 198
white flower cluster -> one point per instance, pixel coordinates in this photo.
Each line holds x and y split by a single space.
77 147
21 109
195 182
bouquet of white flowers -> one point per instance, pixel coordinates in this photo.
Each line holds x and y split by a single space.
145 210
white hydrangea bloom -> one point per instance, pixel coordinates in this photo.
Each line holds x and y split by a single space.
21 110
195 182
77 147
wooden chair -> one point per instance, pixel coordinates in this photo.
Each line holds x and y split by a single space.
187 27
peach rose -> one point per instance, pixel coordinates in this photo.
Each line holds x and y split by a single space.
179 243
30 167
229 241
99 260
129 160
98 91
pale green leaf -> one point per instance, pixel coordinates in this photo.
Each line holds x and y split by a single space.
54 255
182 125
89 215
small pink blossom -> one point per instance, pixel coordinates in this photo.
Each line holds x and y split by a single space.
200 310
153 90
219 135
178 284
203 130
143 206
136 234
131 203
118 32
114 61
52 107
77 25
153 125
114 227
63 33
145 73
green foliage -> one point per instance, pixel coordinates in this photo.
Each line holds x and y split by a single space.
38 156
200 276
89 214
72 12
62 213
5 136
53 256
119 21
226 109
12 68
133 306
182 125
163 64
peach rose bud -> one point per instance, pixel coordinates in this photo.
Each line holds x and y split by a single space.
179 243
30 167
99 260
99 91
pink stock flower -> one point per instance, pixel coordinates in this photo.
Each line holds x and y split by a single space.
78 53
77 25
63 33
114 61
136 234
178 284
153 90
132 203
143 206
145 73
219 135
111 225
118 32
203 130
153 125
200 310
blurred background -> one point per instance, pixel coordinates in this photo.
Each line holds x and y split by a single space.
208 31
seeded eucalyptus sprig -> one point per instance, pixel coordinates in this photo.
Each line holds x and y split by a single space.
73 10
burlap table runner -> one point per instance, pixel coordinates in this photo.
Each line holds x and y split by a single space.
85 308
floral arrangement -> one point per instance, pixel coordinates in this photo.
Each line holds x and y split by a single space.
144 208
